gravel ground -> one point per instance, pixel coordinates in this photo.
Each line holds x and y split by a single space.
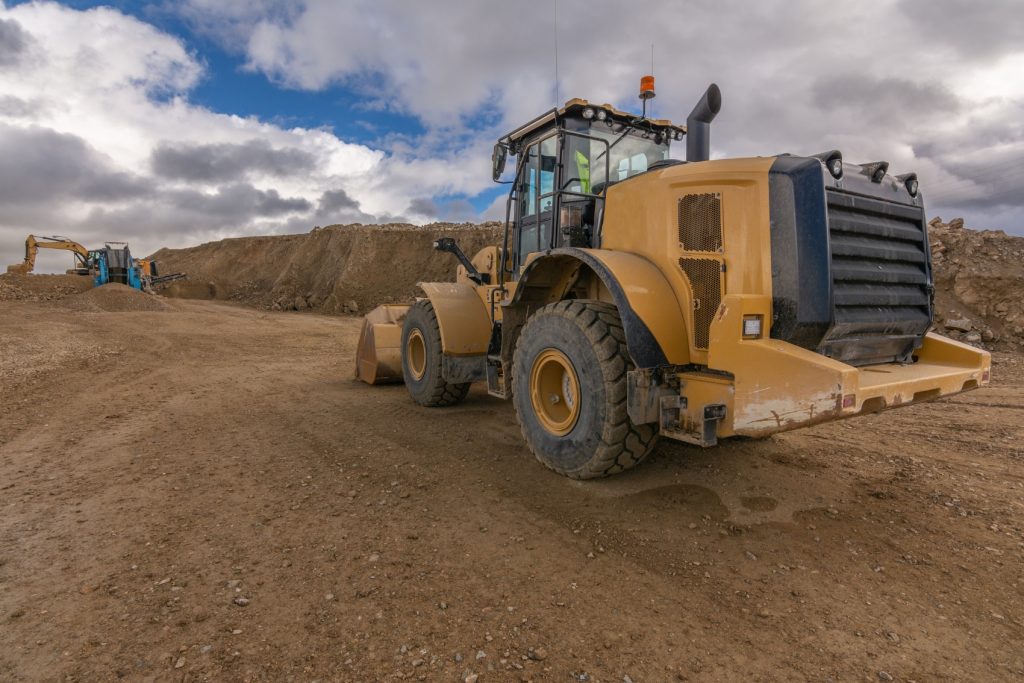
204 494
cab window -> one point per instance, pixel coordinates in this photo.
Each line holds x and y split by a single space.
528 200
548 160
630 166
528 205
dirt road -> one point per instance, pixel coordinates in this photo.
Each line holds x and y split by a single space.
204 493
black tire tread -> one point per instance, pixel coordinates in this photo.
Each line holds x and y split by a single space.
623 444
442 393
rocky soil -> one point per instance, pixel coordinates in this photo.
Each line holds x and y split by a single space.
199 491
41 287
205 494
979 284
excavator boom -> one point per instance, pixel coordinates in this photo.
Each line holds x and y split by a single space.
33 244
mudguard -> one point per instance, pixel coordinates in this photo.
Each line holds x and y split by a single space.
462 317
656 331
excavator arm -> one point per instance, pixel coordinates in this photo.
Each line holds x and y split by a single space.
33 244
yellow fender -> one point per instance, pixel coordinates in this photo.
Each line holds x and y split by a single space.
462 317
651 317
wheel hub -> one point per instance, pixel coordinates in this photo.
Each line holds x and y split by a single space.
555 392
416 354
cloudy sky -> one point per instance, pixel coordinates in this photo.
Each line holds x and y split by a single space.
173 123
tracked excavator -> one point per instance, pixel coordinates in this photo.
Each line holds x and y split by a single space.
637 296
33 244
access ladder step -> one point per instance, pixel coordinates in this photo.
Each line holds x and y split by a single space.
496 385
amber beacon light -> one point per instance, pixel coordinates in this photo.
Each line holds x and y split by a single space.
646 87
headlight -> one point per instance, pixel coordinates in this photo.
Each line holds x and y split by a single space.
877 170
588 113
752 326
601 114
909 181
835 167
833 160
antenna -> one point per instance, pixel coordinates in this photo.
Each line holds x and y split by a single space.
652 75
647 87
556 54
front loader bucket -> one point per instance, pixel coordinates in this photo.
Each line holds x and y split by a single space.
379 355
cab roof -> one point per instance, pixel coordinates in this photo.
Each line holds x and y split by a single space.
576 106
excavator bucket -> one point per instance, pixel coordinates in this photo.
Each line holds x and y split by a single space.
379 355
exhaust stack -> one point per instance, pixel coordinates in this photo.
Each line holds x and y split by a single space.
698 124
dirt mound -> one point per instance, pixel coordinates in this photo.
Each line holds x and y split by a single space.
41 287
340 268
114 298
979 275
979 284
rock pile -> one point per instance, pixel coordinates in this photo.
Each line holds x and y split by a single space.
114 298
979 284
41 287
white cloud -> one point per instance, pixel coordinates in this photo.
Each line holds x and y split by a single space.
103 93
883 80
926 84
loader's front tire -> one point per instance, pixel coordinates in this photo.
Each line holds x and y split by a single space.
569 374
421 359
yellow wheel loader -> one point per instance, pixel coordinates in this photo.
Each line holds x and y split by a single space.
636 296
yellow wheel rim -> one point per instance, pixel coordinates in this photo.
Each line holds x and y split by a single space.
555 392
416 354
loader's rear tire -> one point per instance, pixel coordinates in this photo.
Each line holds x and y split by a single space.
421 359
569 375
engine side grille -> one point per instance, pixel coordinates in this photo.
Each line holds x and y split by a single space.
700 222
881 279
705 276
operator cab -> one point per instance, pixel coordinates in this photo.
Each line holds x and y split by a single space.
567 160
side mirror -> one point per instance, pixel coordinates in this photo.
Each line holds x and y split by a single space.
498 157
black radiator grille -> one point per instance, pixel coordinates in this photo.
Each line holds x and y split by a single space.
700 222
705 278
881 279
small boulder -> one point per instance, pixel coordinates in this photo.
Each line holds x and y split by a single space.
959 324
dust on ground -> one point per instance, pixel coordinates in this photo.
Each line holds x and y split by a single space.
205 494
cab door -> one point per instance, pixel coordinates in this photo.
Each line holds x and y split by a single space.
535 208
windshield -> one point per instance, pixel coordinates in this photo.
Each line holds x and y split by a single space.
629 156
